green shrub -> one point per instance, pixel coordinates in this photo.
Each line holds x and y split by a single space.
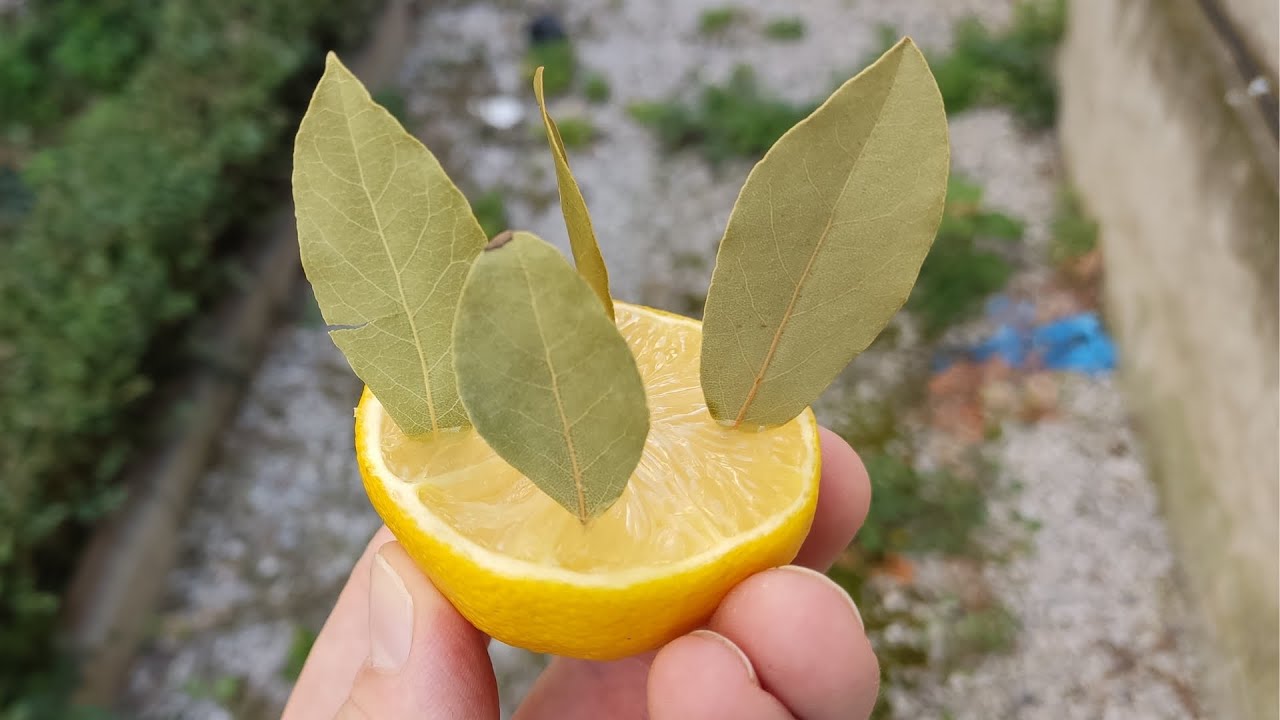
55 57
736 119
785 29
113 255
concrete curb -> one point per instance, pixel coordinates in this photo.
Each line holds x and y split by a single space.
120 577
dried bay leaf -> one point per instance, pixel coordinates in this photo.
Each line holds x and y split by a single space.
547 379
582 237
386 241
825 242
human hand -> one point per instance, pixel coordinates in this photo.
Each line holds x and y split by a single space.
785 643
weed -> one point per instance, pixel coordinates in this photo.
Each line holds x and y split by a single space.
736 119
1013 67
596 88
717 20
785 29
916 511
490 208
560 63
299 649
223 690
576 132
688 260
988 631
1075 234
958 274
393 100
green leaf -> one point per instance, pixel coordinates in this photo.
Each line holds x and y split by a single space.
386 242
825 241
582 238
548 380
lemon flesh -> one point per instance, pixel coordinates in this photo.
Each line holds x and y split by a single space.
707 506
698 484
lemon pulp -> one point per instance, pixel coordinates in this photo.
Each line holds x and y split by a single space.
698 485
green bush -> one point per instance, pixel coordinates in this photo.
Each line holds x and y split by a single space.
114 253
55 57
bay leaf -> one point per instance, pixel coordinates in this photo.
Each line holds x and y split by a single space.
582 237
825 242
547 379
386 240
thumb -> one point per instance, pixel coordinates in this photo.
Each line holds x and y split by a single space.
424 660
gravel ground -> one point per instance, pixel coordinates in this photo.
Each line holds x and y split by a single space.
281 517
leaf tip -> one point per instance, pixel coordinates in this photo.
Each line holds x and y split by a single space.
537 82
499 240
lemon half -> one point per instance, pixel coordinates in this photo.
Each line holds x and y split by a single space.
706 507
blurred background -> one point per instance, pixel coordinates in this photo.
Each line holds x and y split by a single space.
1071 429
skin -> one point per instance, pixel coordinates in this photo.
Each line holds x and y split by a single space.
786 644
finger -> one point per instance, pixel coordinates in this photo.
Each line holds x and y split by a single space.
843 498
424 661
331 665
704 676
573 689
805 639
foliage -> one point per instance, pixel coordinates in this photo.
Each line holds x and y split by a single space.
736 119
785 29
716 20
987 631
56 57
113 253
959 272
769 346
490 208
560 61
299 649
919 511
576 132
596 88
1075 234
1013 67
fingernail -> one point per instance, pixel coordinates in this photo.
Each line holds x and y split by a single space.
815 574
726 642
390 617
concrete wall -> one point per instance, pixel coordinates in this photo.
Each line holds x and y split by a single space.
1257 20
1174 171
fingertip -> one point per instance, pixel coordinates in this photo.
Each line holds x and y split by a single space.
705 675
783 619
844 497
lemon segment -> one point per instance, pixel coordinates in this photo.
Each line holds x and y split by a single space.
706 507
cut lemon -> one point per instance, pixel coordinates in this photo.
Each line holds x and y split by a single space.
706 507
